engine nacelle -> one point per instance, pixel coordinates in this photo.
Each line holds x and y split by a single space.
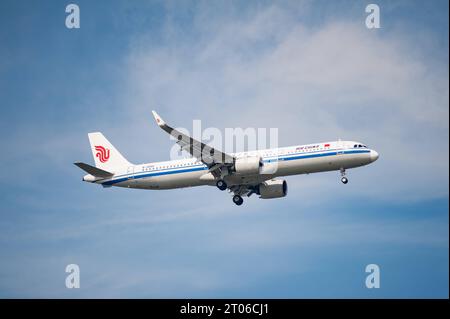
273 189
250 165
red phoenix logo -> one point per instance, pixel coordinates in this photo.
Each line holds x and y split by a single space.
102 153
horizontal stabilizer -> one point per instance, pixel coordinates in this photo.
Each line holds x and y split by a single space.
97 172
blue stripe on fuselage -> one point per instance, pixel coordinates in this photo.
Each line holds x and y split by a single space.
157 173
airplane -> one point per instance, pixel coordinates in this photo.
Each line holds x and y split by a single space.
243 174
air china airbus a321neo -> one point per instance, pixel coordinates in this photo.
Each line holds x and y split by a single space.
243 174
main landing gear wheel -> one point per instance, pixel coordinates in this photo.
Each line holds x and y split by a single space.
221 185
237 200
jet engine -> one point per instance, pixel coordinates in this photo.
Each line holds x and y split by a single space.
273 189
250 165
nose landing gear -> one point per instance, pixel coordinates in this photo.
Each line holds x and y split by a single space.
344 179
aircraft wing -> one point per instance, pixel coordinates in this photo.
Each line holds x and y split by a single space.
213 158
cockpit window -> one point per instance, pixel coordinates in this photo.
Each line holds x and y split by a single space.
355 146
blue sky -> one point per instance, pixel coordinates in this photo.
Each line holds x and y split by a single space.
310 68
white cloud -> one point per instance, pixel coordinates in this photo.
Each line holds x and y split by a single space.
340 80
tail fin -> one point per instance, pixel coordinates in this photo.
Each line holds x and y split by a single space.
106 156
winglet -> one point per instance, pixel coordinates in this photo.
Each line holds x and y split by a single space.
158 119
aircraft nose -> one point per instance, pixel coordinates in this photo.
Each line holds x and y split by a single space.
374 155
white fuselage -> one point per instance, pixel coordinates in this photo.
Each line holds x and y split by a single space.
300 159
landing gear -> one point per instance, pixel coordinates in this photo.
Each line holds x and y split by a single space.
238 200
344 179
221 185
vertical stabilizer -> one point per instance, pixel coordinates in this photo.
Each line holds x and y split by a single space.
106 156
